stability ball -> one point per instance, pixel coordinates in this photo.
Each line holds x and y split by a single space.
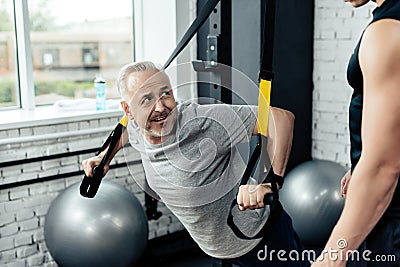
311 195
110 229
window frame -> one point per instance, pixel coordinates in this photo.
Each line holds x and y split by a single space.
24 67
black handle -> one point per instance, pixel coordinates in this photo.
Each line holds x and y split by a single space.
90 185
270 199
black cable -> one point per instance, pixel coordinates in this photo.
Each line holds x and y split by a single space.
194 27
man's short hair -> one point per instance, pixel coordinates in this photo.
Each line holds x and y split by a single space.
130 68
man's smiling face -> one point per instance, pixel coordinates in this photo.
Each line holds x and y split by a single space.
152 104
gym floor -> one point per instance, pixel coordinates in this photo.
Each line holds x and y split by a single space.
176 250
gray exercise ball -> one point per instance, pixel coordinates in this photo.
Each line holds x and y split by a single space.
311 195
110 229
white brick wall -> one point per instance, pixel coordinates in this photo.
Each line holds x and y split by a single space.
23 208
337 28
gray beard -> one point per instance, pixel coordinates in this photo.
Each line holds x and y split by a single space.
163 132
154 133
157 134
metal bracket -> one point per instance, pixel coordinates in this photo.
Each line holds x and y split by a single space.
212 51
211 68
212 56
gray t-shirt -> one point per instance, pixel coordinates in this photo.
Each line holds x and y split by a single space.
196 173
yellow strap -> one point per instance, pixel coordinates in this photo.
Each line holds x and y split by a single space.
264 100
124 121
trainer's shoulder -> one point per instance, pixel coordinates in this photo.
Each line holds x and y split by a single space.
380 48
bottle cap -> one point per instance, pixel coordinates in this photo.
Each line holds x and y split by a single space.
99 79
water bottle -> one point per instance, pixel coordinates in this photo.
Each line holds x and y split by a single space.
100 89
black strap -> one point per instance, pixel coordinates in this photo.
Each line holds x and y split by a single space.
255 156
194 27
260 151
273 218
272 200
268 40
265 73
90 185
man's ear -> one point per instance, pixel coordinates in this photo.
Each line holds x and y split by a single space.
126 109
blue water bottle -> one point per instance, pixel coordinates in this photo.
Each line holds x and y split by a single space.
100 89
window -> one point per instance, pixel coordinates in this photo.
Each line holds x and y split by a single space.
51 57
90 56
74 41
71 42
8 77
